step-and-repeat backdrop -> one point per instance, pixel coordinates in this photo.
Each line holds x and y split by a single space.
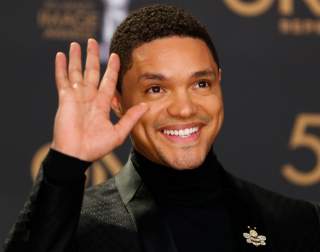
270 53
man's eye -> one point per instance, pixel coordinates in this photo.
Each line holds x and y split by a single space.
153 89
202 84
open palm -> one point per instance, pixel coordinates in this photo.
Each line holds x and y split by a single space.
82 125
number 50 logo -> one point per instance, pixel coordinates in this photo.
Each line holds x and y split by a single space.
300 138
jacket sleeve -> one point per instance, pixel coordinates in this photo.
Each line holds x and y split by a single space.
49 219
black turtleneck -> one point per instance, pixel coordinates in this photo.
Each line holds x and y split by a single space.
191 202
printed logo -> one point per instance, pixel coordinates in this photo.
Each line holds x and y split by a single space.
301 137
289 23
68 20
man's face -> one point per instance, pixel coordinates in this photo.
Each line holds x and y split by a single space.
180 81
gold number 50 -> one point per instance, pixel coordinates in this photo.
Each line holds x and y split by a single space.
300 138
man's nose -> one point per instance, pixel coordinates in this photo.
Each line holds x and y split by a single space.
182 106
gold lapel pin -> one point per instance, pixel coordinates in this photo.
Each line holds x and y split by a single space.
254 238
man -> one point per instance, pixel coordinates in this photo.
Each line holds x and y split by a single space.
173 194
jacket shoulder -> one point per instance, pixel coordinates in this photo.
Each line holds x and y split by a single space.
280 207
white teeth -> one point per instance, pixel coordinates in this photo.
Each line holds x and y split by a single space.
182 132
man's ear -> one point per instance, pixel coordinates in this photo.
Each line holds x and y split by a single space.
220 74
116 104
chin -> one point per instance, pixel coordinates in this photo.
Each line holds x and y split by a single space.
185 160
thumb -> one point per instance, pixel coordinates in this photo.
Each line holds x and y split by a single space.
129 119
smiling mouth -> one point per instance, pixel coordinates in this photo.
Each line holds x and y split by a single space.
180 134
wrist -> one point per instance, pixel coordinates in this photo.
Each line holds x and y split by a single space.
70 151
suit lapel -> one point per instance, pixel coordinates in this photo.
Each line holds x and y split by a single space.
153 231
244 212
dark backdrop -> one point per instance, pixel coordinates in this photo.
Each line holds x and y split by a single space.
270 52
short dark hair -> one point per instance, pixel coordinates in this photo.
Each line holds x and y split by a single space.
153 22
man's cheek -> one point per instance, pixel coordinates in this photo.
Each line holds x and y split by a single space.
140 131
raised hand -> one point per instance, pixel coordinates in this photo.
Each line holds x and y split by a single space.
82 125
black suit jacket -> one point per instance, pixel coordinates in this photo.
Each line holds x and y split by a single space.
121 215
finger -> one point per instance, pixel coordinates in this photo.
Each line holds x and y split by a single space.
61 74
75 69
92 68
110 78
130 118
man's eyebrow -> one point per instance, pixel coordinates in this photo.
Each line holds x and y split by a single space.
161 77
203 73
151 76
